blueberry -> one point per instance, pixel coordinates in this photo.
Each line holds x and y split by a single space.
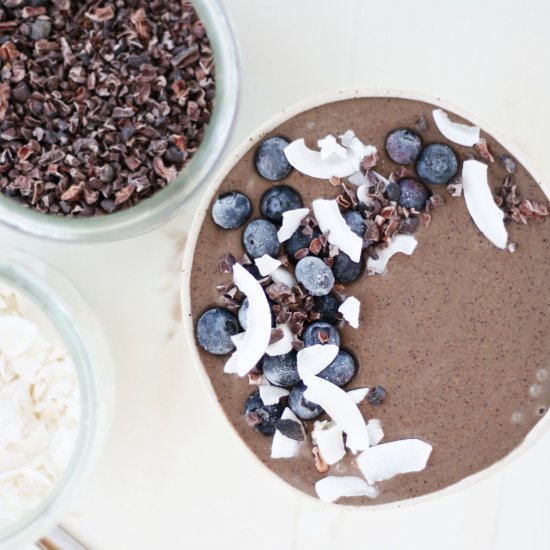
437 164
376 395
412 193
262 417
260 237
327 306
345 269
315 275
254 271
231 210
281 370
277 200
271 161
299 240
320 332
300 406
403 146
341 370
392 191
214 331
355 222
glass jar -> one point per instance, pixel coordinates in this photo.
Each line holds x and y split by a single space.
165 203
81 332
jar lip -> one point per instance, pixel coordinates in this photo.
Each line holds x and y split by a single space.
31 277
165 203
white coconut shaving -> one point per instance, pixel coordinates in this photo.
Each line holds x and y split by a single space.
454 131
321 164
359 179
283 446
341 408
313 359
329 438
331 488
282 275
284 345
376 433
252 344
349 309
331 221
358 395
387 460
488 217
39 409
400 243
291 222
266 265
271 395
329 146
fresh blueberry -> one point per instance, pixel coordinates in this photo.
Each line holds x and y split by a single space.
299 240
271 161
403 146
437 164
413 193
345 269
355 222
231 210
392 191
341 370
376 395
281 370
315 275
214 331
277 200
260 237
254 271
327 306
320 332
300 406
262 417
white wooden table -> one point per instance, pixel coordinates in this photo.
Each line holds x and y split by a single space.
172 474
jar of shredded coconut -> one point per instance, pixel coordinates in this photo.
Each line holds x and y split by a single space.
55 395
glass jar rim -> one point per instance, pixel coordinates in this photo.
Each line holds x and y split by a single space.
165 203
59 300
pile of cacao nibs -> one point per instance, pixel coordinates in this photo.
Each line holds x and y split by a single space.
102 102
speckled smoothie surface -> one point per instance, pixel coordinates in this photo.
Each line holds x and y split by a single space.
457 333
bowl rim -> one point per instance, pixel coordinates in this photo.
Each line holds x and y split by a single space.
165 203
541 427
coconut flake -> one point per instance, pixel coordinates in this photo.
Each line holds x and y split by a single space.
291 222
350 310
329 146
390 459
454 131
281 275
376 434
341 408
16 334
358 395
331 221
359 179
313 359
331 488
329 438
267 265
284 345
252 344
400 243
488 217
283 446
271 395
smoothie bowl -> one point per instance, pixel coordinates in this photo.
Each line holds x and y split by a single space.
365 293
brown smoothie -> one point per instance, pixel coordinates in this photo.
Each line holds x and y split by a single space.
457 332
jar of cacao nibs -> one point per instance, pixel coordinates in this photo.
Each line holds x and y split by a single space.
112 113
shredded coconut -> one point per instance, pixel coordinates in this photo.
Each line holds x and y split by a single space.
39 411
